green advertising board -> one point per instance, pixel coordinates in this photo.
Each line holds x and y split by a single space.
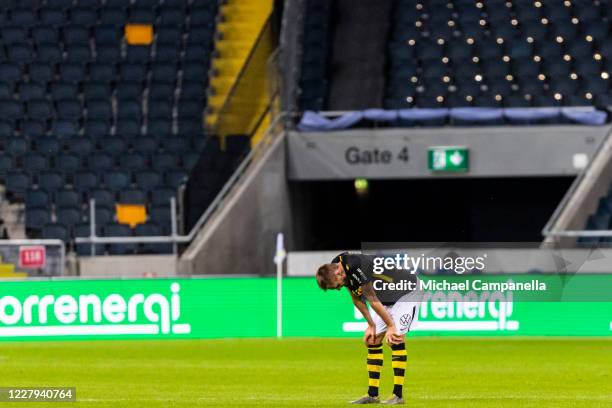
246 307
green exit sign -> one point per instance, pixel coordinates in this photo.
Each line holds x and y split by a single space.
448 158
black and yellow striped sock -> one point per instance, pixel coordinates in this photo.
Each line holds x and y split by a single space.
375 362
399 357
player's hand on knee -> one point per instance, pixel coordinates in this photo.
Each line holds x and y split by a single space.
369 336
393 336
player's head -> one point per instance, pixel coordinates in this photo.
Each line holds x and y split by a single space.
330 276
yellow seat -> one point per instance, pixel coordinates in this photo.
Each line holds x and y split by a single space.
139 34
131 214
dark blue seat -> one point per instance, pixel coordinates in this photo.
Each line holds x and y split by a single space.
83 16
103 198
65 128
145 145
159 108
100 162
142 16
159 126
164 73
128 90
173 17
190 109
24 17
128 128
164 162
106 34
194 72
36 218
102 72
169 36
159 90
29 91
161 216
97 90
50 181
17 146
114 145
67 198
45 35
151 230
49 53
84 230
134 162
52 17
35 162
160 197
11 110
113 15
148 180
68 216
7 163
132 196
133 72
64 90
14 35
72 72
175 178
17 182
175 145
10 72
85 181
56 231
36 199
78 54
39 72
129 109
189 160
39 109
138 54
119 230
75 34
99 109
170 54
109 54
116 180
97 128
69 109
67 163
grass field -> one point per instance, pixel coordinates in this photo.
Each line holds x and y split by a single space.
442 372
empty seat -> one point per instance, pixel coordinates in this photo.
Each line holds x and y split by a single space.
67 163
50 181
148 180
64 90
68 216
99 109
36 218
100 162
97 128
133 162
114 145
65 128
39 109
164 161
162 196
67 198
35 162
151 229
55 231
132 196
85 181
116 180
102 198
119 230
36 199
175 178
48 146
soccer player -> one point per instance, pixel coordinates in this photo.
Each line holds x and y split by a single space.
395 310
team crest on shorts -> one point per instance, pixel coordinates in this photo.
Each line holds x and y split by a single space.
405 320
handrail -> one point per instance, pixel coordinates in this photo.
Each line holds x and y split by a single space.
59 242
547 231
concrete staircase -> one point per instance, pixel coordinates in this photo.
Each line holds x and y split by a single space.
241 22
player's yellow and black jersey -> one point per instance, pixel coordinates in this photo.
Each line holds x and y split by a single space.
359 270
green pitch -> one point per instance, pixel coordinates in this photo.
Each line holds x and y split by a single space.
442 372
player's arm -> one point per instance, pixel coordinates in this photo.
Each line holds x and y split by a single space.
363 308
370 294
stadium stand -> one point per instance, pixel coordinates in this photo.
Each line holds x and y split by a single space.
457 54
85 114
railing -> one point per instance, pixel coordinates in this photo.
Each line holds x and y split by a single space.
54 265
548 230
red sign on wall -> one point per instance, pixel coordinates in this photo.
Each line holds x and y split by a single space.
32 256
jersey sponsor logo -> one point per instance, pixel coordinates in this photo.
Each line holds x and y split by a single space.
405 320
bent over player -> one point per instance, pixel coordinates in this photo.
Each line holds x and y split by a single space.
395 310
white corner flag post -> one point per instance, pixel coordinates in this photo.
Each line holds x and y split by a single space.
278 259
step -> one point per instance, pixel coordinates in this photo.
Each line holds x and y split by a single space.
223 66
233 49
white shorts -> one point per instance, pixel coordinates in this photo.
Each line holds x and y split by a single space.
403 312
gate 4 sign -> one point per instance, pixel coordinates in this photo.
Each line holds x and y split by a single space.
32 256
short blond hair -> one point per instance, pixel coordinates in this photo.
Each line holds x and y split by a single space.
324 275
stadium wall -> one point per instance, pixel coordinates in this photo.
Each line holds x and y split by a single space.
509 151
240 237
